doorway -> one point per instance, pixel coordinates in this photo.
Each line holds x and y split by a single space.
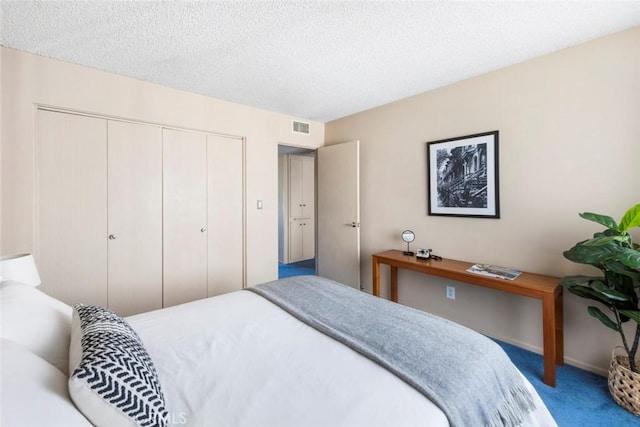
296 211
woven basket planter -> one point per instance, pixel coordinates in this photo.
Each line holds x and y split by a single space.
624 384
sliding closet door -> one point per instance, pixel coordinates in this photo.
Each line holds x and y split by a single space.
71 200
135 217
225 177
185 216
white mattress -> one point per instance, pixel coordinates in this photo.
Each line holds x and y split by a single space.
238 360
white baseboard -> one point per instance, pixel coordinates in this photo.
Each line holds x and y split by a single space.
568 360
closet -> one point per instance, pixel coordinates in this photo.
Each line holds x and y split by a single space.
301 204
135 216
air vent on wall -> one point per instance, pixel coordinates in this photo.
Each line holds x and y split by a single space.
300 127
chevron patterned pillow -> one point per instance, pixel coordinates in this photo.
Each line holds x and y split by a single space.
113 380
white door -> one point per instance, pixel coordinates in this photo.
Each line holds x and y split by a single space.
301 187
71 185
295 181
338 255
184 216
296 234
301 239
135 217
225 222
308 240
308 187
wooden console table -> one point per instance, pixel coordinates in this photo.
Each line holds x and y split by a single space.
545 288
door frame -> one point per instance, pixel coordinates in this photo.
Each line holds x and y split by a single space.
283 233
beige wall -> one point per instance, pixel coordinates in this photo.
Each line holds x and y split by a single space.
27 80
569 142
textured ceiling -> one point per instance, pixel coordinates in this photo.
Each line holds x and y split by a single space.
317 60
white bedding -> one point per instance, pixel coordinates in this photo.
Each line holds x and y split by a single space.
238 360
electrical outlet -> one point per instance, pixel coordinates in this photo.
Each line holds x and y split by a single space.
451 292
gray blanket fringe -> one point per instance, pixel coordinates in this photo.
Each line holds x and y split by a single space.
513 409
474 384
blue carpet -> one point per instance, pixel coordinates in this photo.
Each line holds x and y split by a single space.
301 268
580 398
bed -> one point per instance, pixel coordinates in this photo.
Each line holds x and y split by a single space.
239 359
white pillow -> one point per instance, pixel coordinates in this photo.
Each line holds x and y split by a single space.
113 380
38 322
34 392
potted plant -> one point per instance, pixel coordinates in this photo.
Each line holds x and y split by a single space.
613 252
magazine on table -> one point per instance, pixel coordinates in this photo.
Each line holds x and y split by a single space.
494 271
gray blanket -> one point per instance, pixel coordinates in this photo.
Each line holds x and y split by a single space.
466 375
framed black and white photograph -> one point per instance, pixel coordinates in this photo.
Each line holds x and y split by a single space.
462 178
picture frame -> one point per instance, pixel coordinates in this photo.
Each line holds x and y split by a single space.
462 176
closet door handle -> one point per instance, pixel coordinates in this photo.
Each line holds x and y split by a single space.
112 237
203 229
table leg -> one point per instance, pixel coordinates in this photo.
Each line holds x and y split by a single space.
559 329
549 338
376 277
394 283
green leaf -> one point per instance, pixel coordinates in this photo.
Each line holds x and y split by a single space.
611 294
630 219
609 232
632 314
605 240
630 258
588 293
592 255
619 268
624 284
605 220
578 280
598 314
